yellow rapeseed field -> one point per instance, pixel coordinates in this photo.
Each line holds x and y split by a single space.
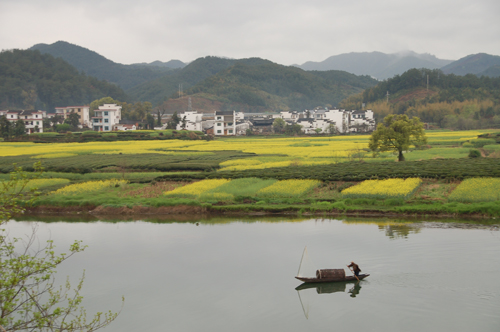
283 151
382 189
196 189
288 188
88 186
477 190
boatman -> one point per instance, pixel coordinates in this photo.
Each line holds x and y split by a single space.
355 268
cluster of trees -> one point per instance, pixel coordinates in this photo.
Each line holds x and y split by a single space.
31 80
455 102
11 129
450 87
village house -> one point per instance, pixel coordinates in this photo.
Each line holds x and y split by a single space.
106 117
33 120
224 123
192 119
82 111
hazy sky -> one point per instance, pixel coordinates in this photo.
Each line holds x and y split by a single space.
287 32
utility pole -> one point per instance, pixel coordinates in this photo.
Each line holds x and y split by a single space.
180 90
387 96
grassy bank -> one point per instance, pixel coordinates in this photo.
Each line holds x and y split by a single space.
426 197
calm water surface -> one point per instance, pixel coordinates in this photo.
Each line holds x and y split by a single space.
235 275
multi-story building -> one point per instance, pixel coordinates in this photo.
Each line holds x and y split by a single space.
193 121
82 111
106 117
224 123
33 120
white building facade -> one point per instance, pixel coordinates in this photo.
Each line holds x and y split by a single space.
106 117
193 121
33 120
224 123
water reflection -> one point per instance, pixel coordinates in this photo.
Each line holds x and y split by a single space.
355 290
306 298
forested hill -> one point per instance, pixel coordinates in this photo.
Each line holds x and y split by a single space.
255 84
480 64
31 80
93 64
272 86
168 86
450 101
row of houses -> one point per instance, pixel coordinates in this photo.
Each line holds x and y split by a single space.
219 123
331 120
106 118
224 123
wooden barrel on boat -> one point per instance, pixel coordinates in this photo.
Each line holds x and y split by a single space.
331 274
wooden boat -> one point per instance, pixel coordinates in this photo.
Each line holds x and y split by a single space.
327 275
347 278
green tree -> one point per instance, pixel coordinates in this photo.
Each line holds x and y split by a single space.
73 119
57 119
294 129
5 127
150 120
398 133
172 124
279 125
46 124
29 297
99 102
158 120
332 129
19 128
184 122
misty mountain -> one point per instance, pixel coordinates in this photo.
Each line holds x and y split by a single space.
377 64
93 64
477 64
172 64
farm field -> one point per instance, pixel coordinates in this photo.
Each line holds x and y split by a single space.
413 196
327 174
225 154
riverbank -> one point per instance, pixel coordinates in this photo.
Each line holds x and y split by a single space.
477 211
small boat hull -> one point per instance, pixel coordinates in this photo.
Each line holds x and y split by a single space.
347 278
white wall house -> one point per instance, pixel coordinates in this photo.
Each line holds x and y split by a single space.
224 123
106 117
82 111
33 120
344 121
193 120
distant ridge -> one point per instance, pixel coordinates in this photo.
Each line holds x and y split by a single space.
377 64
173 64
477 64
94 64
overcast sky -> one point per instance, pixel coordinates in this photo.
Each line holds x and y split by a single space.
286 32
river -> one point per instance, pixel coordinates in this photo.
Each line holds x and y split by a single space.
237 274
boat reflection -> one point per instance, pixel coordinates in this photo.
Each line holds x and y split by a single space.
325 288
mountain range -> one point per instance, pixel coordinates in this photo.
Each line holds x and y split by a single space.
259 84
376 64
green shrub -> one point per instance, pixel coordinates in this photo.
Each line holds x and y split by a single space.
474 153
